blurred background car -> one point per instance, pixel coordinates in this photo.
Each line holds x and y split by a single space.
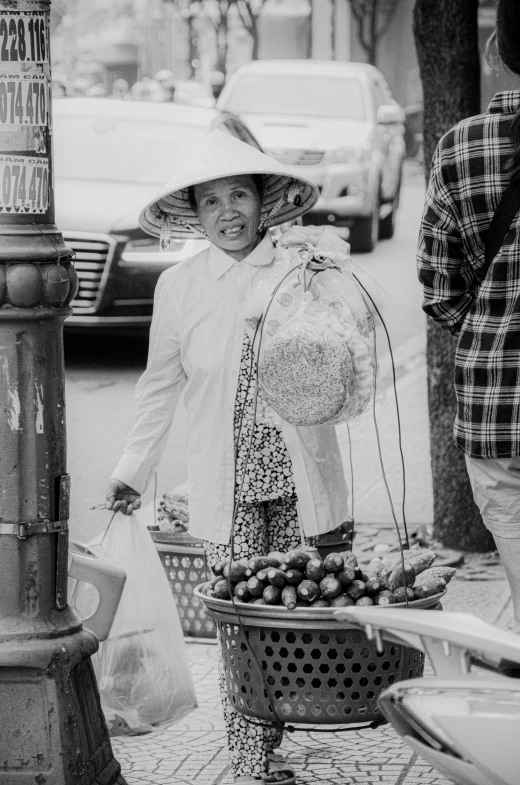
338 124
111 158
192 93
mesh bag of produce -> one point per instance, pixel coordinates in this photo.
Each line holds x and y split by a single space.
317 361
305 370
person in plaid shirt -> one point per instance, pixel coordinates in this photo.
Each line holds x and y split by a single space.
471 169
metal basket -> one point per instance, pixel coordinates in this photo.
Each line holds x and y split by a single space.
184 563
317 671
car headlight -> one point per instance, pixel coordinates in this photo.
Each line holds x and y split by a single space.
142 244
354 154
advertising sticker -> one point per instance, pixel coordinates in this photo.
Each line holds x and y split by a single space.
23 99
23 37
24 184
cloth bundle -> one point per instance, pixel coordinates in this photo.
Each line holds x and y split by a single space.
317 362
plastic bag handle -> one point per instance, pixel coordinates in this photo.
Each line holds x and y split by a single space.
109 580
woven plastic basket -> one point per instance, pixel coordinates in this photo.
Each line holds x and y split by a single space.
182 557
317 671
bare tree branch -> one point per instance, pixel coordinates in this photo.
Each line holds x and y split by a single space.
373 19
216 12
253 12
358 9
360 17
215 24
244 7
246 21
249 12
388 15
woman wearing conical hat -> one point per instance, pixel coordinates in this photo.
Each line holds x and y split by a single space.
292 478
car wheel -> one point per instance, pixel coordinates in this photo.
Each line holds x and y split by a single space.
365 232
387 224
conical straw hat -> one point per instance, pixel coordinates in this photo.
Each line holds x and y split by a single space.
286 196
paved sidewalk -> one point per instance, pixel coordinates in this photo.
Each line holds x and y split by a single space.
194 752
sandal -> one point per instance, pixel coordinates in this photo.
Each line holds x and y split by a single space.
278 767
284 776
280 773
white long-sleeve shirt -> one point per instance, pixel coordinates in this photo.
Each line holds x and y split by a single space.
195 349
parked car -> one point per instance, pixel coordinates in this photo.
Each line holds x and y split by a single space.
338 124
193 93
110 158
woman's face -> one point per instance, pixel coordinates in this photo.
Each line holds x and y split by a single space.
229 210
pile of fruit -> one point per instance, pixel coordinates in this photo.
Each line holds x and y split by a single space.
302 579
173 515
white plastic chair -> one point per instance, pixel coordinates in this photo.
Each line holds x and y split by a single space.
98 608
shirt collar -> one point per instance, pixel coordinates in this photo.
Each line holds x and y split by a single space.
220 262
505 102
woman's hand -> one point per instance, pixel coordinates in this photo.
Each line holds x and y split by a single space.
121 498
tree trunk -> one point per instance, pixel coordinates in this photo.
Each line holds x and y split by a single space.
310 30
255 40
222 47
446 37
192 45
332 29
373 37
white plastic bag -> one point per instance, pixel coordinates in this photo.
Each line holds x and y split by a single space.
142 669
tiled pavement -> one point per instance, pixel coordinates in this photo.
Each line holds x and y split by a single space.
193 752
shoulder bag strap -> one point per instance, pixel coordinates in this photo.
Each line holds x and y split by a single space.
501 221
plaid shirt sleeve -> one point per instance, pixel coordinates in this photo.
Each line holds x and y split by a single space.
447 277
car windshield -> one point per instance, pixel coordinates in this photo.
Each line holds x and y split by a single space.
120 149
336 97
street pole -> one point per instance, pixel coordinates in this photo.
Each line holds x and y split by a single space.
52 730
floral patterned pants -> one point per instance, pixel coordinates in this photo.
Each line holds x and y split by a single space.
259 528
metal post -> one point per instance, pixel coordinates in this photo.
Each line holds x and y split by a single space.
52 730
